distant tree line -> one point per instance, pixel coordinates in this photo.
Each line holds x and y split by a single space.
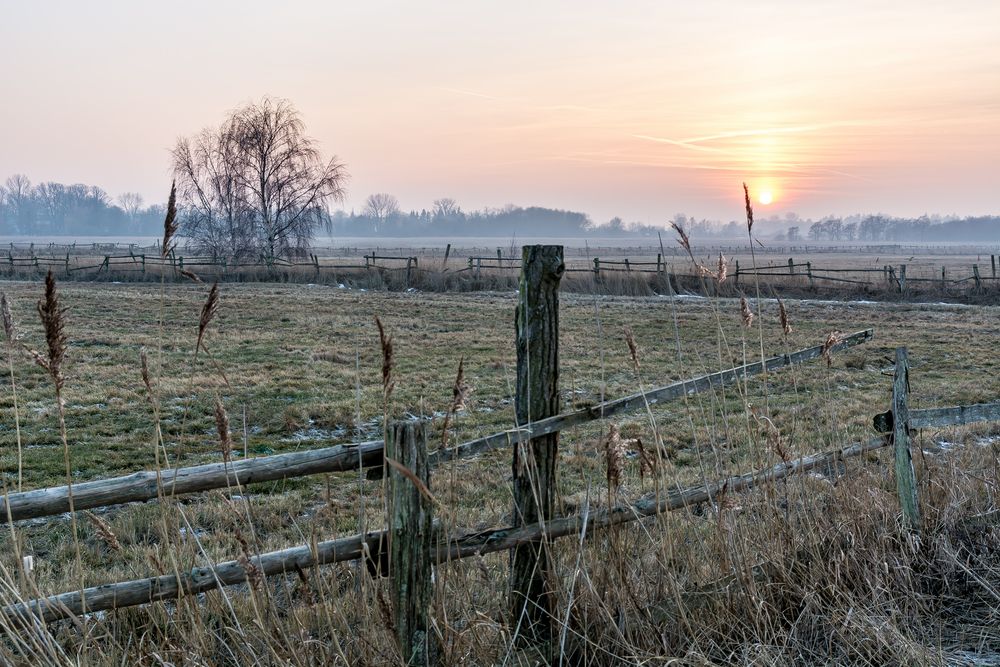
925 229
56 209
382 216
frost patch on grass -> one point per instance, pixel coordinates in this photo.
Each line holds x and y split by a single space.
314 433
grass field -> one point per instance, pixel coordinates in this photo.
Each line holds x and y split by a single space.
303 364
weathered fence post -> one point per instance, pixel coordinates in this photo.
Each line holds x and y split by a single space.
993 264
976 277
534 462
902 278
943 283
597 268
791 267
809 272
736 276
447 251
411 539
906 482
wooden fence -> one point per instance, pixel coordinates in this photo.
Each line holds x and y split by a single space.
407 538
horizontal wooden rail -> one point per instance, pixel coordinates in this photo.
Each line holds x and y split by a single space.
292 560
638 401
147 485
954 416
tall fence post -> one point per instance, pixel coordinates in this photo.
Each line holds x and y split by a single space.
791 267
902 278
534 462
809 272
993 265
976 277
597 268
906 482
411 540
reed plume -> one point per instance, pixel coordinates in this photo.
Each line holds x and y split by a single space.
833 339
745 313
170 225
190 275
222 425
51 314
255 576
104 532
683 239
633 349
786 326
208 312
723 271
647 460
385 341
614 457
749 208
147 378
12 335
459 395
9 326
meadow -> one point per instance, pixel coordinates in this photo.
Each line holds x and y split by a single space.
812 570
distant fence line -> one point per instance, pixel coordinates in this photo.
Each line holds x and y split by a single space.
586 250
676 273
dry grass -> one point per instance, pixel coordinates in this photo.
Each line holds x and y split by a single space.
815 570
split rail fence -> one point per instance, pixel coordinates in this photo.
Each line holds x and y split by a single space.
406 543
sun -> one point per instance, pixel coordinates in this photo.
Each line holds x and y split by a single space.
765 197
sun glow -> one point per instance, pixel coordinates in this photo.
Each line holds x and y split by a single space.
765 197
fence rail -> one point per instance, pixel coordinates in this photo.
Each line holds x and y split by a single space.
150 484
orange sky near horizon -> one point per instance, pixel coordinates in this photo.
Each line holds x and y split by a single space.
642 109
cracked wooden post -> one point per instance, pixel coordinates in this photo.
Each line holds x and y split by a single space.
534 463
411 541
906 482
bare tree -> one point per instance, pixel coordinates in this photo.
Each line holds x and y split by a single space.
255 185
131 203
445 208
380 207
18 194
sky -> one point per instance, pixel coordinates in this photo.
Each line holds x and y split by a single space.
637 109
